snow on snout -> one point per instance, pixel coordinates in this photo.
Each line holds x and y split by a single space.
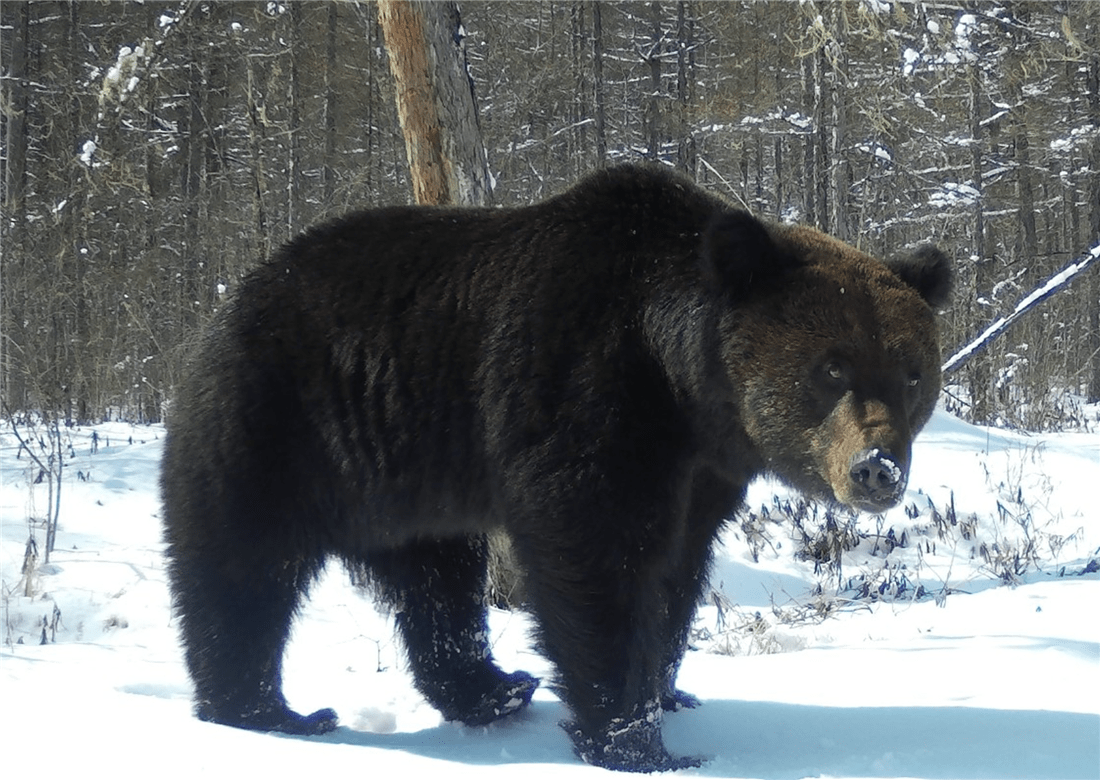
887 462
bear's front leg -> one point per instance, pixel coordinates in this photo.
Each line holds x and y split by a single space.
711 499
604 622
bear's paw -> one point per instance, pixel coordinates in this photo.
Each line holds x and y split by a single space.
629 745
273 718
512 694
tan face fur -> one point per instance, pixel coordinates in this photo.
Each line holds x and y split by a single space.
841 372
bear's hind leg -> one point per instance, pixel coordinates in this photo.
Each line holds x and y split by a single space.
437 591
235 620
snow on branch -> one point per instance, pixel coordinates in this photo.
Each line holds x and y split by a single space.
124 77
1053 285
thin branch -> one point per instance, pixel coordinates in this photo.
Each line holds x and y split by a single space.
1053 285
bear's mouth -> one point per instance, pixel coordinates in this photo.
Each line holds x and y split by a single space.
873 507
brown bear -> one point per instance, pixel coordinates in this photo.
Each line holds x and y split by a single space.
599 375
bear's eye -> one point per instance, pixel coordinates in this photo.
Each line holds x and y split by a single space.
833 377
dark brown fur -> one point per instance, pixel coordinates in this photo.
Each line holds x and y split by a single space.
599 375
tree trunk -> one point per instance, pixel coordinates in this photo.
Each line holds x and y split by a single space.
980 375
779 173
809 147
17 15
578 107
1025 191
653 105
1093 82
821 140
294 139
435 102
15 168
685 79
256 132
77 358
193 160
328 173
598 85
841 171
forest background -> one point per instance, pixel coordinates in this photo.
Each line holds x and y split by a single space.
154 152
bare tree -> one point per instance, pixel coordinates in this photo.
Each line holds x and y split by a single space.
16 16
598 84
435 102
1093 337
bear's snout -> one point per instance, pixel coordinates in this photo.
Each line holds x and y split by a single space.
878 479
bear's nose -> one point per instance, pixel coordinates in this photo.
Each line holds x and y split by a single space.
877 478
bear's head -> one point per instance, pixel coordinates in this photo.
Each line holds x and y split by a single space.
833 355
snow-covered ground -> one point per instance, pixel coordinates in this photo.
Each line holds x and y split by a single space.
973 679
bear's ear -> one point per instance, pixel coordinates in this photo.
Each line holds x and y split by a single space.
928 271
738 254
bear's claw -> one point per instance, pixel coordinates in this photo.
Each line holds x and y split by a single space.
676 700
